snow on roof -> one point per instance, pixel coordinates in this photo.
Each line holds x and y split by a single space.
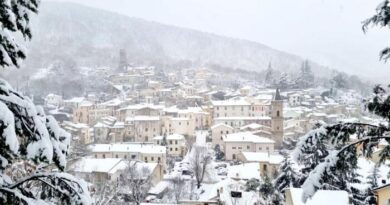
263 157
244 171
246 137
142 106
221 124
321 197
143 118
252 126
113 102
89 165
75 125
230 102
86 104
101 125
170 137
119 125
244 118
75 100
129 147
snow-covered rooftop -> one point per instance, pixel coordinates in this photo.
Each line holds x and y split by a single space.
89 165
246 137
129 147
263 157
321 197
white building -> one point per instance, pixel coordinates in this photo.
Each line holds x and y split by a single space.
134 151
239 142
176 144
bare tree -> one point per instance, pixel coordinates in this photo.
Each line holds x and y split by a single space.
178 188
200 159
137 181
105 191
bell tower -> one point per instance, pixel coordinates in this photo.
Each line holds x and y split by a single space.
277 119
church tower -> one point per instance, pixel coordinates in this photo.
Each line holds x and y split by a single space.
277 119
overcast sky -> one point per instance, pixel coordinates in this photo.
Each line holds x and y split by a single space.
326 31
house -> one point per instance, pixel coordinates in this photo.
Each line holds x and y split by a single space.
80 132
321 197
176 144
218 131
97 171
239 142
53 99
231 108
135 151
142 128
383 194
267 162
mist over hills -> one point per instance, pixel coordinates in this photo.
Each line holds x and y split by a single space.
92 37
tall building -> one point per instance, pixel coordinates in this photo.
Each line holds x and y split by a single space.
277 119
122 60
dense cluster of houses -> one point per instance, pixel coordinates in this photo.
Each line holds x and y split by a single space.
151 117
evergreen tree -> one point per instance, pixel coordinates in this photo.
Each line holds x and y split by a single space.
30 141
305 78
266 188
283 81
336 169
252 185
339 80
269 75
289 175
219 155
382 19
15 17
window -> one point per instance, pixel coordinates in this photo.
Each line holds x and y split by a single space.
146 129
217 108
104 156
227 132
146 158
239 147
267 148
116 156
248 147
158 142
188 123
175 141
133 156
233 147
225 108
170 141
152 159
221 132
264 167
234 156
158 159
260 148
277 113
171 149
179 123
176 149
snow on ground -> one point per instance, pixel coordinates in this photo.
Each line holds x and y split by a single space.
321 197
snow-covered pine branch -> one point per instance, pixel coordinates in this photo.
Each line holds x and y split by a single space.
339 164
27 134
14 20
382 19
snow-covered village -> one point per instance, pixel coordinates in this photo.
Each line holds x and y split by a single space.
194 102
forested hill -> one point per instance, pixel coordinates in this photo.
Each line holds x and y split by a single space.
93 37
